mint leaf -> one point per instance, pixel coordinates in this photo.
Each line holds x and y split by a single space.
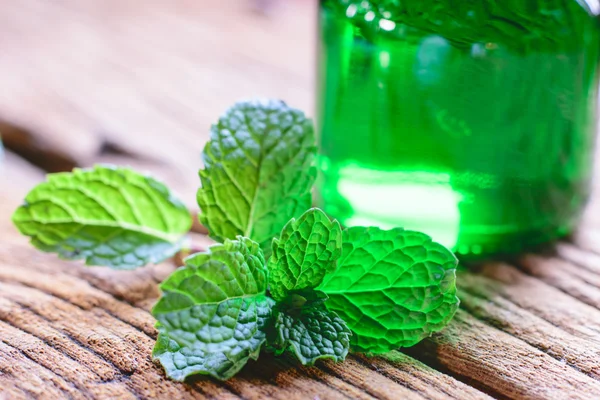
307 249
312 333
258 171
212 312
393 288
106 215
298 299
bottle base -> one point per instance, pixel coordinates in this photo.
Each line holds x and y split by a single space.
474 223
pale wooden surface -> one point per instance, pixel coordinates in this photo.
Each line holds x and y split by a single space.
83 81
96 80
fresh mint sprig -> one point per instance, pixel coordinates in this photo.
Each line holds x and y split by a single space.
284 277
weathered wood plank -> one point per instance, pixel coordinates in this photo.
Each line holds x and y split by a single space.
96 321
489 306
282 379
110 338
59 305
90 333
105 85
582 258
569 278
377 385
74 291
420 378
470 348
17 177
149 81
543 300
40 381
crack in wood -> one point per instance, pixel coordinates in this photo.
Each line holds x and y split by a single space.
83 308
375 384
565 356
34 150
106 372
409 372
65 383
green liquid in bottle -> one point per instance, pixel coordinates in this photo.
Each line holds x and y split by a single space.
473 121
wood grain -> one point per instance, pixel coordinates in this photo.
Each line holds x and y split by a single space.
84 77
88 332
88 81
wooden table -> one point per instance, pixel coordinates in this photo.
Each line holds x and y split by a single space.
86 81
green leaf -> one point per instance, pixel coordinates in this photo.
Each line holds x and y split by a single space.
312 333
306 251
212 312
258 171
393 288
106 215
299 299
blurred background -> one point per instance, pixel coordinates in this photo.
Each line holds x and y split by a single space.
139 84
118 81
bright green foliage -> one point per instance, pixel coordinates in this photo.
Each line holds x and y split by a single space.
108 216
258 171
306 251
363 288
299 298
212 312
312 333
393 288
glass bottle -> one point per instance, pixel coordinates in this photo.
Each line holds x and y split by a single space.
471 120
